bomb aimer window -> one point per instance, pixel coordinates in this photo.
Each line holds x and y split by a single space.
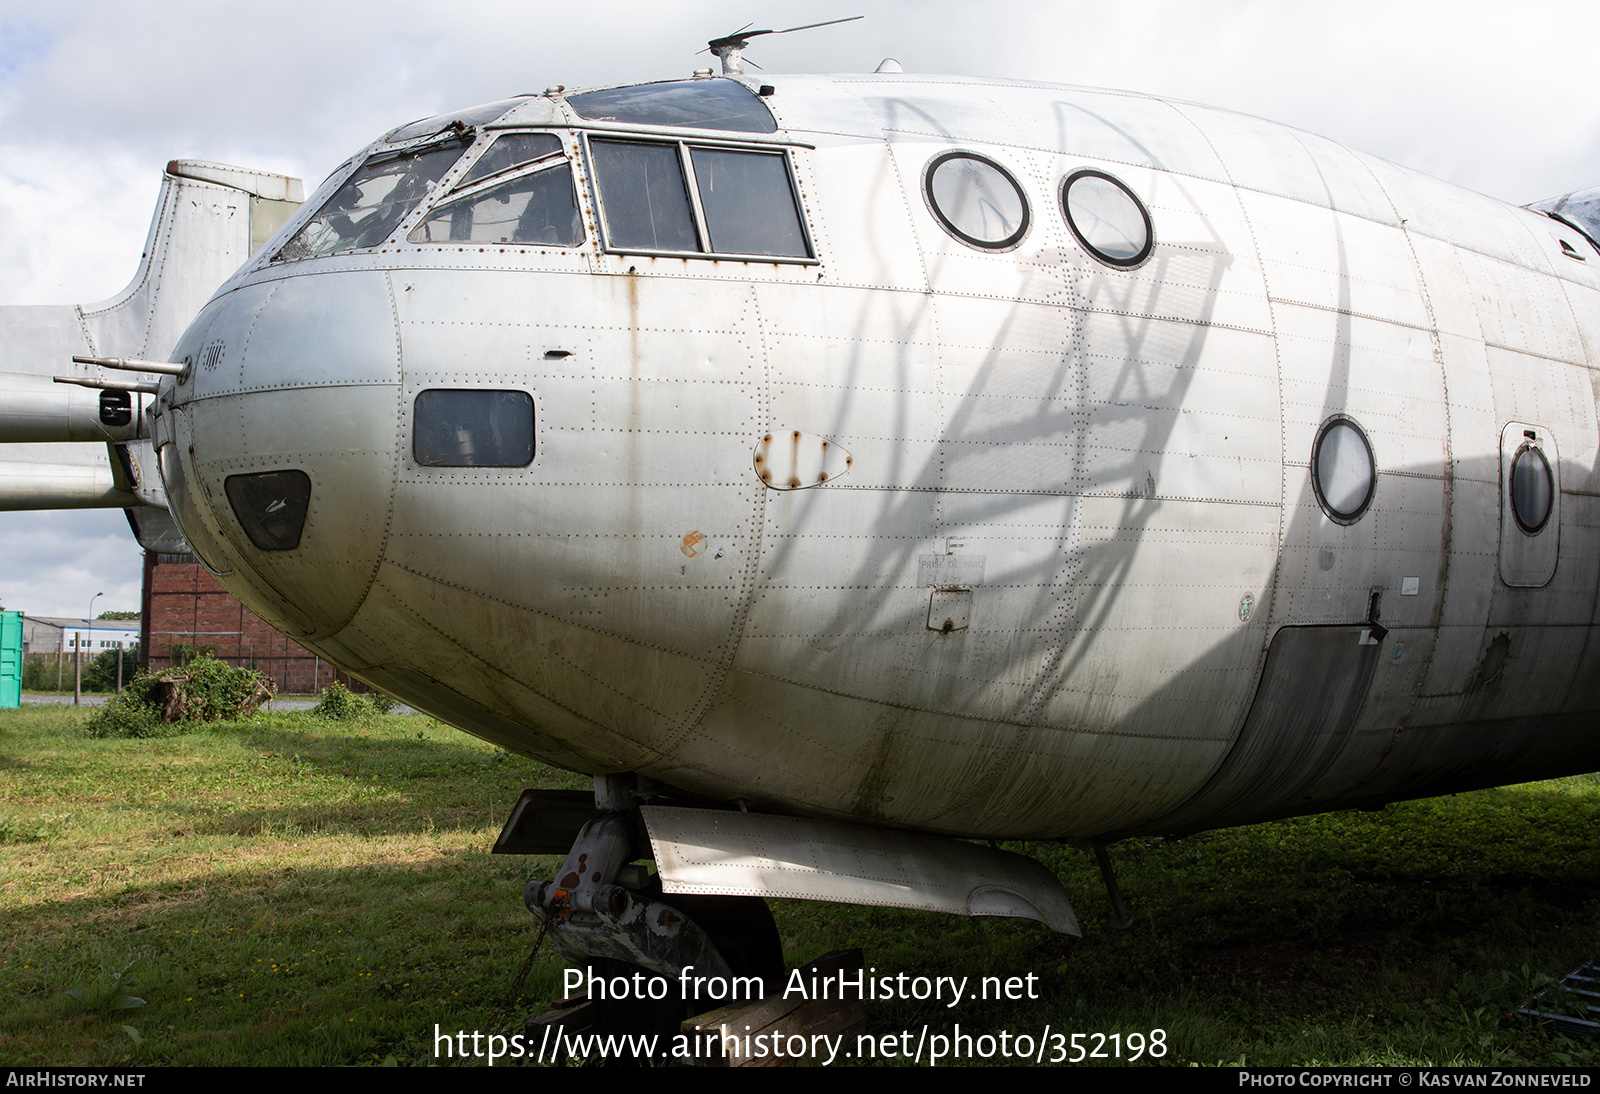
270 506
679 198
456 428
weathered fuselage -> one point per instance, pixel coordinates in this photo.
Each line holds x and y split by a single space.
1100 475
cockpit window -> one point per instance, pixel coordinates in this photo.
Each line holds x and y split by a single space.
695 104
747 205
536 208
472 115
510 151
646 203
748 202
374 200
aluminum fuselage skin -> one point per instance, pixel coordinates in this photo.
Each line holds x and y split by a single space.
1115 462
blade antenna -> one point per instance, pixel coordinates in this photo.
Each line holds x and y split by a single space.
730 48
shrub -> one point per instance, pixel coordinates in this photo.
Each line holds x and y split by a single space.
133 713
39 672
340 702
205 690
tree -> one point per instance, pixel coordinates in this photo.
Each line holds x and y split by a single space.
100 674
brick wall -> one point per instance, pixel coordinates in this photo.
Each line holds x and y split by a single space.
185 605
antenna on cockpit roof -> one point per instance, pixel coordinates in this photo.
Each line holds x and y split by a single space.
731 47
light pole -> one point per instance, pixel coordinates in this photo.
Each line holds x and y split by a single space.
77 658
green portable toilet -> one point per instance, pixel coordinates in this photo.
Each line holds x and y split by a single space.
10 659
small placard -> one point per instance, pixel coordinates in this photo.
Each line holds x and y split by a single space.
950 569
1410 585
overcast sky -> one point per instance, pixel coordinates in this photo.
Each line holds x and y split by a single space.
96 96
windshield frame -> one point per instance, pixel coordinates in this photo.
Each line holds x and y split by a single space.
380 154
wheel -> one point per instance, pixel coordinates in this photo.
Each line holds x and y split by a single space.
745 934
742 929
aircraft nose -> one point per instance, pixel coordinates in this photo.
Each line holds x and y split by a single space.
279 453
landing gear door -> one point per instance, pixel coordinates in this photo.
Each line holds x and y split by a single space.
1530 505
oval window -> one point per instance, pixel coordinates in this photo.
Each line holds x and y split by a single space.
1532 489
977 201
1343 473
1108 220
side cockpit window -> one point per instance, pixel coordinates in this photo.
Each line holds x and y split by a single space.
510 151
535 204
684 198
646 202
537 209
375 199
748 202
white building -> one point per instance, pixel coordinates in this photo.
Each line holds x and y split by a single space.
49 634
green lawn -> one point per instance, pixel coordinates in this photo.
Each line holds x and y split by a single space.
297 891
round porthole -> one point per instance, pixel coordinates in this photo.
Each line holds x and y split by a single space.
977 201
1532 489
1108 220
1343 473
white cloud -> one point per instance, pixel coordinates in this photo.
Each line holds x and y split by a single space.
56 561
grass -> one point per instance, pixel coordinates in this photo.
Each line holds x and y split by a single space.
291 890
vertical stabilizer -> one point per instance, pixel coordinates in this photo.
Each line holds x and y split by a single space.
209 219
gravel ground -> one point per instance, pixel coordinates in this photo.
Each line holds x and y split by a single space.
97 700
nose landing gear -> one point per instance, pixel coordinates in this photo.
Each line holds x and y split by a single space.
647 960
